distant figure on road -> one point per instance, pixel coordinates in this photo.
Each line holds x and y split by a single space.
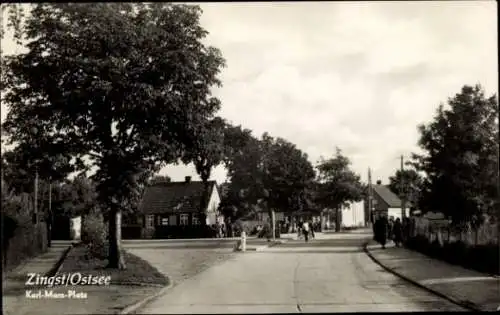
311 225
381 230
306 229
299 229
397 231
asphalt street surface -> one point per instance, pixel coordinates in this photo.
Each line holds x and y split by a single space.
330 274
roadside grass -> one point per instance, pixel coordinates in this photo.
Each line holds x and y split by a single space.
138 271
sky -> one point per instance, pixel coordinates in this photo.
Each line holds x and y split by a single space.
360 76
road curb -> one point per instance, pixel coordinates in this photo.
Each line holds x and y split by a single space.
60 262
132 308
138 284
465 304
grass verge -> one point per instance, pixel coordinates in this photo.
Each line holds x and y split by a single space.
138 270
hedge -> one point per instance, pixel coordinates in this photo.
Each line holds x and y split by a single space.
482 258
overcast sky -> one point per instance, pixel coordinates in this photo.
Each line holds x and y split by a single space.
357 75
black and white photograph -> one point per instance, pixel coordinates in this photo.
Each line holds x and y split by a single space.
249 157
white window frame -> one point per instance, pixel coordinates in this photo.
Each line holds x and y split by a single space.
196 219
150 220
184 219
165 221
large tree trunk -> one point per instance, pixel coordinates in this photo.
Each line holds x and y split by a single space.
338 220
50 217
321 221
115 259
204 203
272 224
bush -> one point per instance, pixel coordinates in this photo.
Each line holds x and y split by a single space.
483 258
21 238
435 249
95 234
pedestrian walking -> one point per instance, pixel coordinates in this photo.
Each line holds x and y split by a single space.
397 231
312 229
299 229
306 229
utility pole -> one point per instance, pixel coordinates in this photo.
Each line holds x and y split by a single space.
50 216
369 197
401 190
36 197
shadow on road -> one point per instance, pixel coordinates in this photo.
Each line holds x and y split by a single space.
313 251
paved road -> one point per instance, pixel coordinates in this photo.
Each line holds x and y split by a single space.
331 274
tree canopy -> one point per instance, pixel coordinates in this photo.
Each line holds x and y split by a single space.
412 184
461 156
125 86
265 174
337 184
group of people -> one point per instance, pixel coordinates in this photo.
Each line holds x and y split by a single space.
388 229
305 228
221 230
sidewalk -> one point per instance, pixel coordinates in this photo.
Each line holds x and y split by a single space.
41 264
99 299
14 282
468 288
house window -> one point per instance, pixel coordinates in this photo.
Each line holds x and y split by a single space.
196 219
184 219
164 221
150 220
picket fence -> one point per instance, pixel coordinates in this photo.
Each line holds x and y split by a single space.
446 233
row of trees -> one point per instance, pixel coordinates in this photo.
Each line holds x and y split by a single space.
272 174
126 88
458 172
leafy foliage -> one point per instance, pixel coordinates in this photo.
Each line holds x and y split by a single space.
412 184
461 160
266 174
20 164
206 152
337 183
125 86
287 175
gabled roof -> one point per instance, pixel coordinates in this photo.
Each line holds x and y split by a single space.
387 196
174 197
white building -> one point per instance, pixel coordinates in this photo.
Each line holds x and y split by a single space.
353 215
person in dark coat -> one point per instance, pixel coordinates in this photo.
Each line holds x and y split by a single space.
381 230
397 231
390 231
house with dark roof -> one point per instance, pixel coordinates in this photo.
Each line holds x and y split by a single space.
385 201
169 205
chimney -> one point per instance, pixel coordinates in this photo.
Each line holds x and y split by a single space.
187 179
379 182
